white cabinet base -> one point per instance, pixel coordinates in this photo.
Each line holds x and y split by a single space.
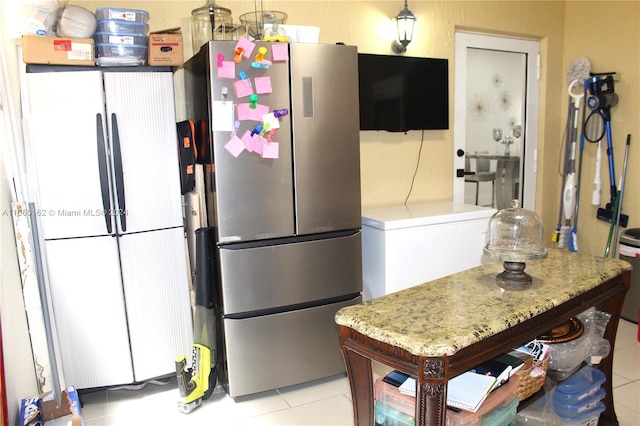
403 246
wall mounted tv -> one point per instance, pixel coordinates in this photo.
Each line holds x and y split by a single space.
401 93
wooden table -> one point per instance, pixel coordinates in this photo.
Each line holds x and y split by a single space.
437 330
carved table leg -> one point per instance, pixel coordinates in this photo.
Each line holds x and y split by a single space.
613 305
360 380
432 390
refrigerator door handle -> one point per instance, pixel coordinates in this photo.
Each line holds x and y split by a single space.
103 171
119 176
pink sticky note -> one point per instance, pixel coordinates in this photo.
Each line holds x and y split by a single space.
280 52
258 144
258 112
245 112
246 45
246 141
235 146
263 84
271 150
227 70
242 88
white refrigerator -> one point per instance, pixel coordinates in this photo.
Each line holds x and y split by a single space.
103 167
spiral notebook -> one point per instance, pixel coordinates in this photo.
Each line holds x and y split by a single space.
469 390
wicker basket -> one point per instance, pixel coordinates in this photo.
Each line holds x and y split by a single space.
531 384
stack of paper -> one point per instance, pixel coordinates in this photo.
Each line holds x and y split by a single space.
469 390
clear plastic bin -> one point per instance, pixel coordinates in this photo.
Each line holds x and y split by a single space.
389 416
391 396
129 15
121 27
500 407
116 38
120 54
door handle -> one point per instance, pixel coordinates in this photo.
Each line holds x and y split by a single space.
103 171
118 174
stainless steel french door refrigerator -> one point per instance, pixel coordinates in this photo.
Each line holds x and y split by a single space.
286 223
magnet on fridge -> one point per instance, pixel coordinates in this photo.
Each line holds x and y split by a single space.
238 55
260 56
280 112
219 60
256 130
259 65
243 76
253 100
225 92
270 134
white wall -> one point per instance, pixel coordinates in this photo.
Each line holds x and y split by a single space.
19 369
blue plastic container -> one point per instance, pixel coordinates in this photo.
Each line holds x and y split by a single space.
568 410
586 418
582 384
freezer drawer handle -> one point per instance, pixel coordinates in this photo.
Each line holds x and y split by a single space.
117 165
102 166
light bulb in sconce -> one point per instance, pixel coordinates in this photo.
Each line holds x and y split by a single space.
405 21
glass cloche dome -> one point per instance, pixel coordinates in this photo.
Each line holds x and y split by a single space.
515 236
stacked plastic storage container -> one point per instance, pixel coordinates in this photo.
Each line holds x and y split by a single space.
577 400
392 408
121 37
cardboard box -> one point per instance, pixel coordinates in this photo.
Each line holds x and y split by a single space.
39 410
165 48
57 50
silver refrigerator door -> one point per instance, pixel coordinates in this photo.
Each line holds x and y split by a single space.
283 349
285 275
326 137
253 195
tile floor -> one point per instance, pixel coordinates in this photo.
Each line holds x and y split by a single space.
322 402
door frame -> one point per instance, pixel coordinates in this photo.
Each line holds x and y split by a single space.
528 165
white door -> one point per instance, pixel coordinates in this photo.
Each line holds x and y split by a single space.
156 291
141 106
496 87
88 308
66 134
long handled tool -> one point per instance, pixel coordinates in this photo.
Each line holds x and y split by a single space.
577 73
597 181
616 224
601 99
198 384
569 190
573 240
555 238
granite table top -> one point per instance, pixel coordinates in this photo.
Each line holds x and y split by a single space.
440 317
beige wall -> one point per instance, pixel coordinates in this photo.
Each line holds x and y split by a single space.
604 31
607 33
389 160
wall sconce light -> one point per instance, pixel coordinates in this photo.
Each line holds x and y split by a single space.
405 21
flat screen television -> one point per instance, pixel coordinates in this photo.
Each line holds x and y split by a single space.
401 93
